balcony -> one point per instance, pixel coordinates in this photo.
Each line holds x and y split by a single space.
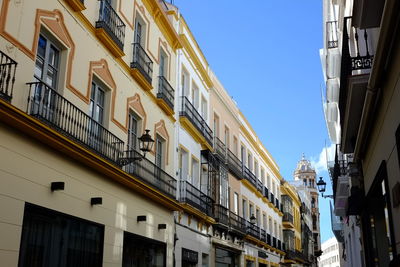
234 164
252 230
221 214
194 197
7 76
237 222
277 203
269 240
142 67
165 95
110 29
287 220
195 124
148 172
50 107
279 245
274 244
272 198
357 60
263 235
252 179
219 149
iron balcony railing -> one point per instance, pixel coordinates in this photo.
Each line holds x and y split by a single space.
142 62
272 198
290 254
331 34
7 76
274 242
221 214
50 107
219 149
234 164
194 197
277 203
279 245
266 192
287 217
165 91
236 222
253 230
150 173
269 239
263 235
190 112
249 176
259 186
111 23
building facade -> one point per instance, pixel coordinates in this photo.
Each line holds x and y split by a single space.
330 256
359 62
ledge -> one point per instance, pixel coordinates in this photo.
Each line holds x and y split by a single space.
76 5
109 42
142 81
194 132
165 107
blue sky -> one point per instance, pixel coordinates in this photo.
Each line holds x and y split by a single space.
266 55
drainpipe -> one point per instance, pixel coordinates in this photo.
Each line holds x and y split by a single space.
389 24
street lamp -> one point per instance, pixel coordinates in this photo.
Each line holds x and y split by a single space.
322 187
145 144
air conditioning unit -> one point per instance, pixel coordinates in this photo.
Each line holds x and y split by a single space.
341 196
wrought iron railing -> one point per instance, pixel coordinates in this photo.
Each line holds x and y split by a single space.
221 214
249 176
111 23
234 164
53 109
259 186
7 76
269 239
165 91
194 197
150 173
272 198
279 245
252 230
331 34
266 192
219 149
236 222
277 203
142 62
287 217
190 112
274 242
263 235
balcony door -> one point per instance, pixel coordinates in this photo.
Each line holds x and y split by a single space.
139 32
96 113
46 74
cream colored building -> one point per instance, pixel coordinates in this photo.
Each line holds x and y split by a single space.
80 83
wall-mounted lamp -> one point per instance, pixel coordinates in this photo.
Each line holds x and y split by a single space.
55 186
141 218
162 226
321 184
145 144
96 201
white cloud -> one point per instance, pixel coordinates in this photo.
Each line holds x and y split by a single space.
319 163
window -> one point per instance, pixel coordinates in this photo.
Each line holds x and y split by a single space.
189 258
236 203
244 208
163 64
185 82
265 222
195 96
195 172
258 217
273 187
160 152
235 145
263 176
204 260
204 108
314 222
256 168
305 182
275 229
226 258
133 131
184 165
270 225
47 62
250 161
226 138
243 155
216 125
142 252
51 238
269 181
251 210
140 31
204 181
96 108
